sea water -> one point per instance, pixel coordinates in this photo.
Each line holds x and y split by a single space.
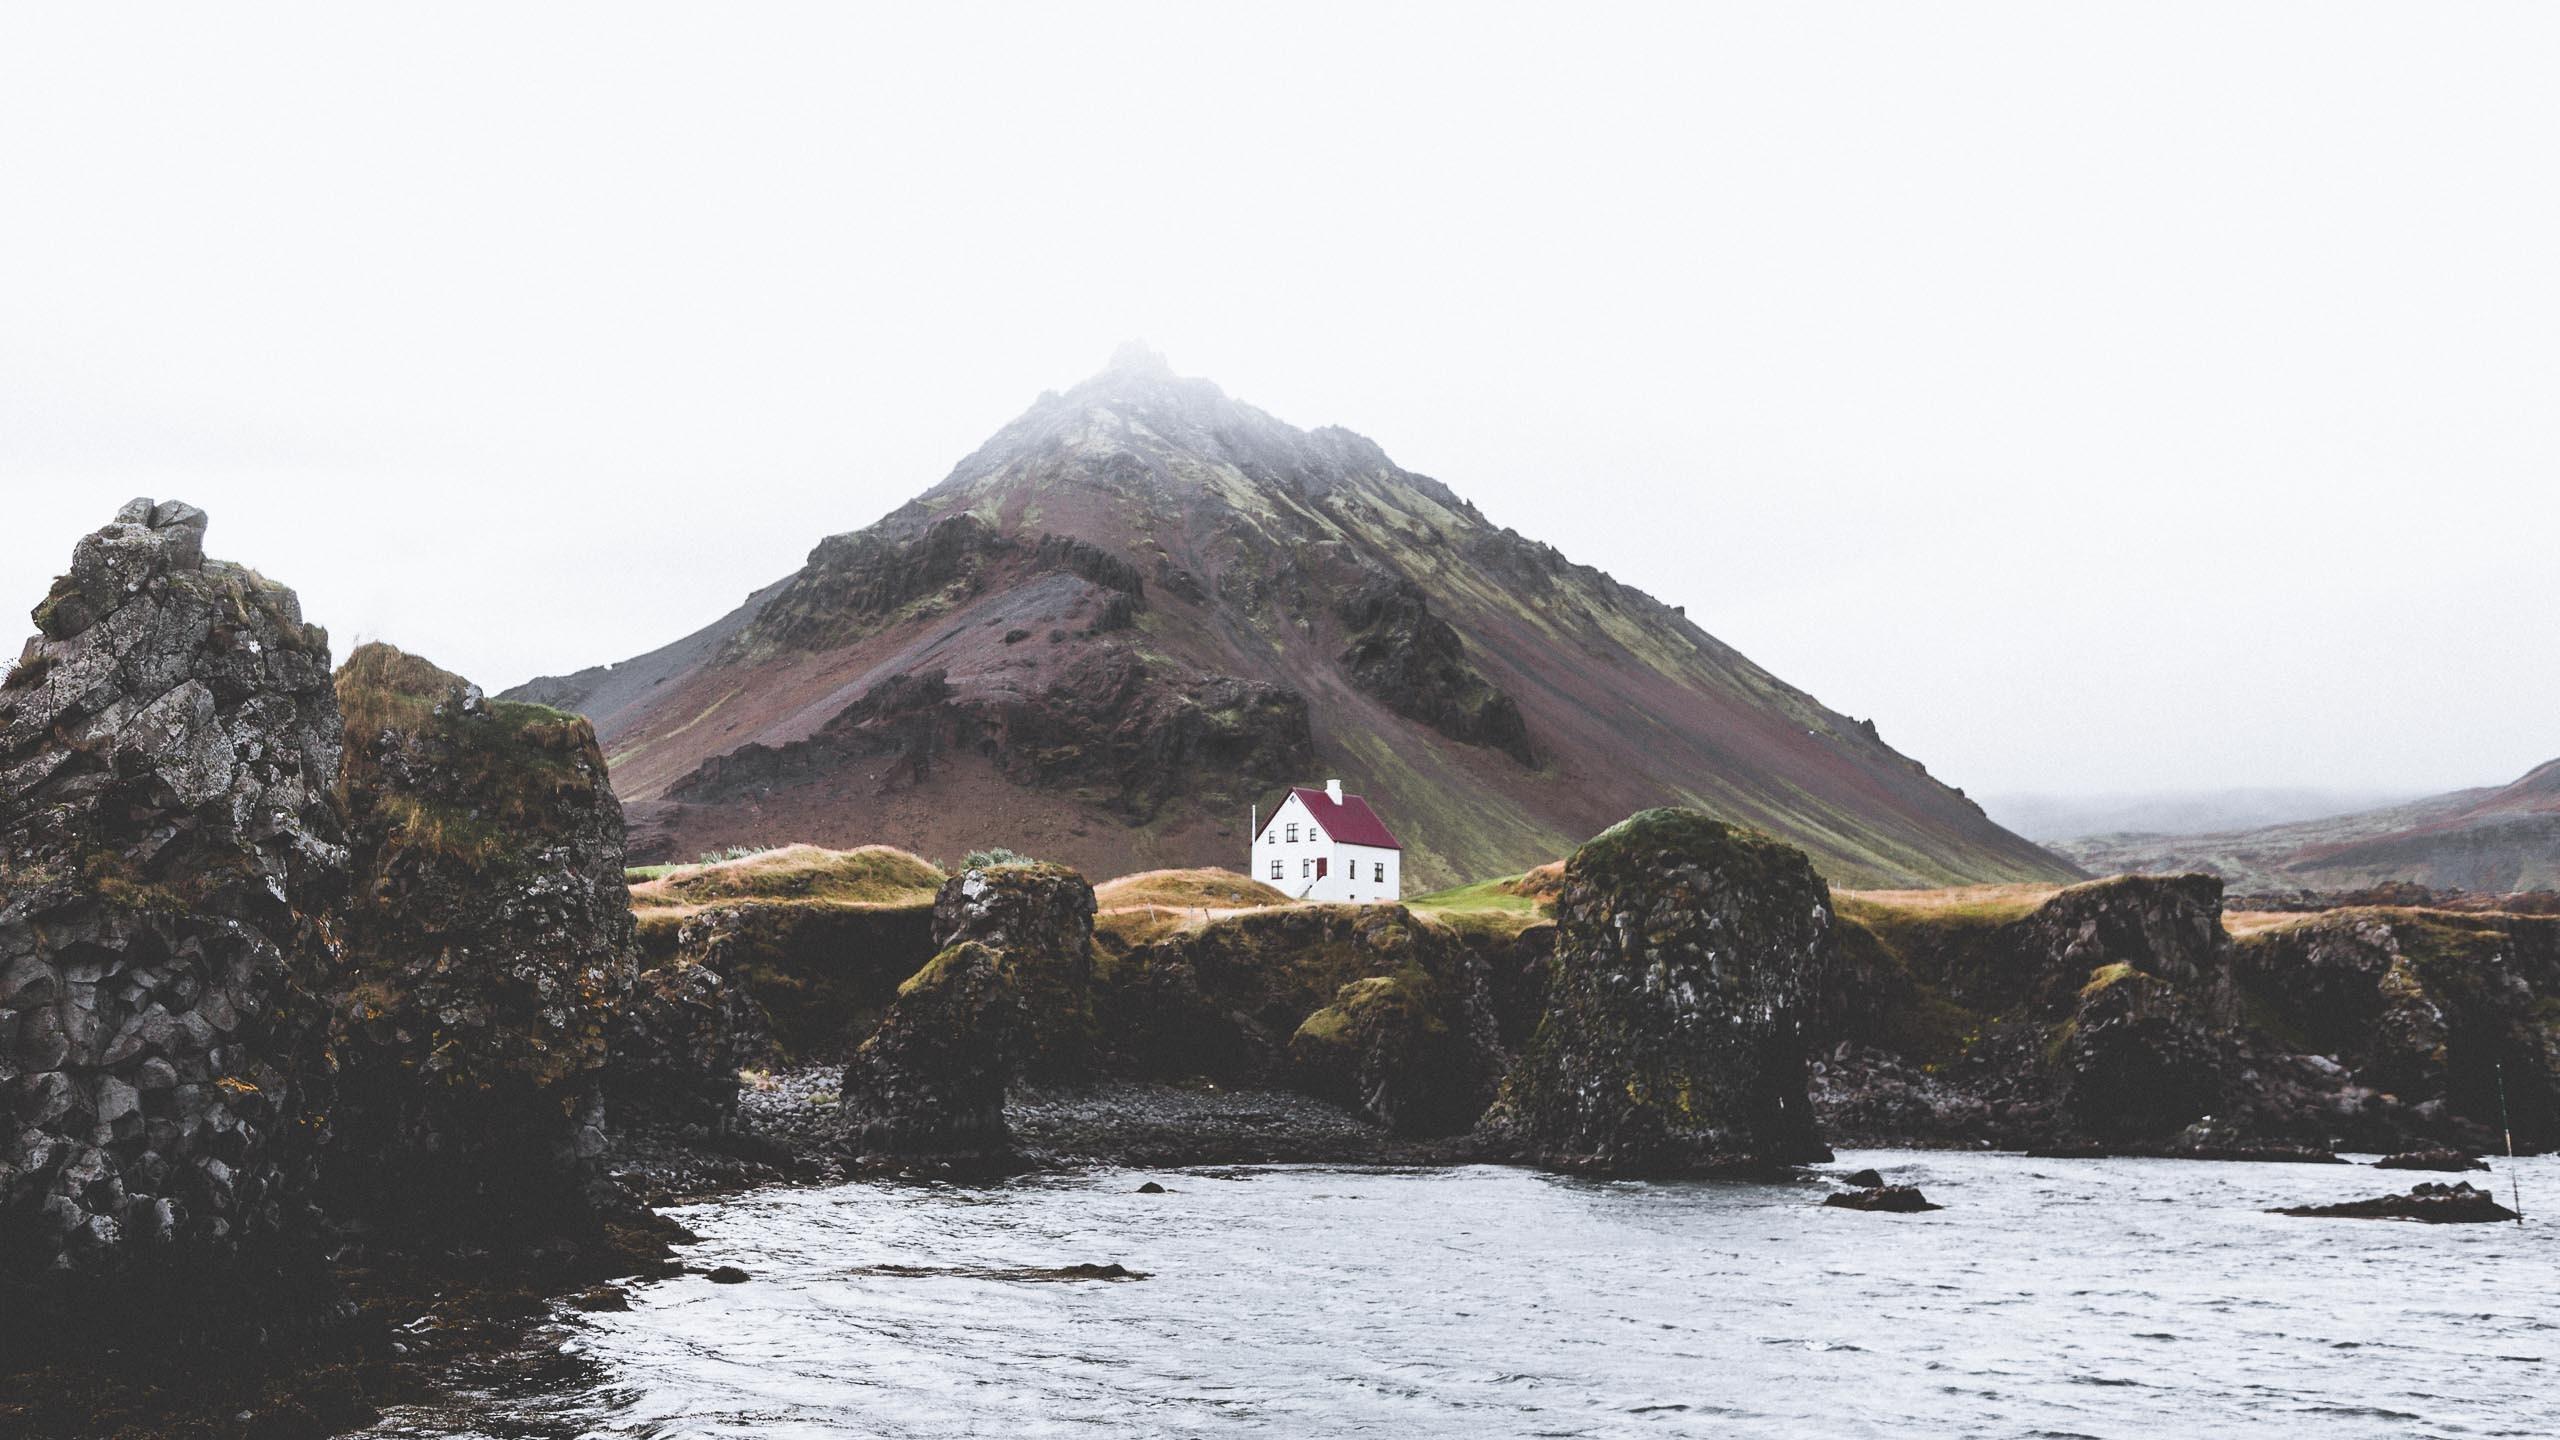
2107 1298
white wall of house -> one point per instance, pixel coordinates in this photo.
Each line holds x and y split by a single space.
1286 857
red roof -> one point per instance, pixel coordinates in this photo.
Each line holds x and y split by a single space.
1350 823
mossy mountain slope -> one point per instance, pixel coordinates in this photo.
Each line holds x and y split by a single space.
1144 605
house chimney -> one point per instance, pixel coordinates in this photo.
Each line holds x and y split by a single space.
1333 791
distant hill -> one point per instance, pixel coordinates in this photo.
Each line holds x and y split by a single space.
2047 818
2490 841
1143 607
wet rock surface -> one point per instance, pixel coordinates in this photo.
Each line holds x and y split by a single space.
1890 1199
1689 957
2435 1159
489 951
2455 1204
168 858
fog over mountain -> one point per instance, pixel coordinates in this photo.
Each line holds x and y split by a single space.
2155 399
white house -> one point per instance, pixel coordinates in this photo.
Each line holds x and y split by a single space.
1325 845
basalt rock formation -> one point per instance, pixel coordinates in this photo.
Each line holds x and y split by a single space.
1039 919
489 944
1365 1005
168 860
786 957
1689 958
2418 1026
1143 605
2120 1015
2098 1014
932 1079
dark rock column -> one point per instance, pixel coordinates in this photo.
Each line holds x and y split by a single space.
1689 955
1039 920
168 860
490 949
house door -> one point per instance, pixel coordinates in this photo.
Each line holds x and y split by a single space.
1319 868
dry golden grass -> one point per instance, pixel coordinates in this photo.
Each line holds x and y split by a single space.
2008 901
872 876
1209 888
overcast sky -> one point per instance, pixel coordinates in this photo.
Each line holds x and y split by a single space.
2101 398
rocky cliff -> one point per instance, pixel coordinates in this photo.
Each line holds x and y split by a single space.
2123 1014
169 858
489 949
1144 605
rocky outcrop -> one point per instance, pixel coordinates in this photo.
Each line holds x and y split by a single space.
168 859
808 981
932 1078
2417 1026
1038 918
2455 1204
1689 957
2138 969
1397 1049
682 1040
489 949
1415 662
1362 1004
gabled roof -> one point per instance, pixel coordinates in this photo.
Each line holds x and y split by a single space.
1350 823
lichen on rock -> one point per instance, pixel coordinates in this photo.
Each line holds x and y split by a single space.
1038 918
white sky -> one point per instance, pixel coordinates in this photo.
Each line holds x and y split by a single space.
2102 398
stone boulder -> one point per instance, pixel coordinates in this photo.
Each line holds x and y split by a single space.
1039 919
1394 1048
168 857
932 1079
489 950
1689 955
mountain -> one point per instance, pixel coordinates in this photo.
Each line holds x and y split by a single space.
2492 841
1143 607
2047 818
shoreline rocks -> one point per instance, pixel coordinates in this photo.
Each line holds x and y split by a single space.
1689 958
2455 1204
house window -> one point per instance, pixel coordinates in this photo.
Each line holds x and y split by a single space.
1275 867
1293 834
1306 869
1381 875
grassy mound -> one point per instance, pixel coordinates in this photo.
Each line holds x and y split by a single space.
872 875
1152 904
1210 889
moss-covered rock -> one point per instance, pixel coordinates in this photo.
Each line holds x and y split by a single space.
1689 955
489 950
811 979
2423 1014
932 1078
684 1037
1394 1048
1039 919
1227 1000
